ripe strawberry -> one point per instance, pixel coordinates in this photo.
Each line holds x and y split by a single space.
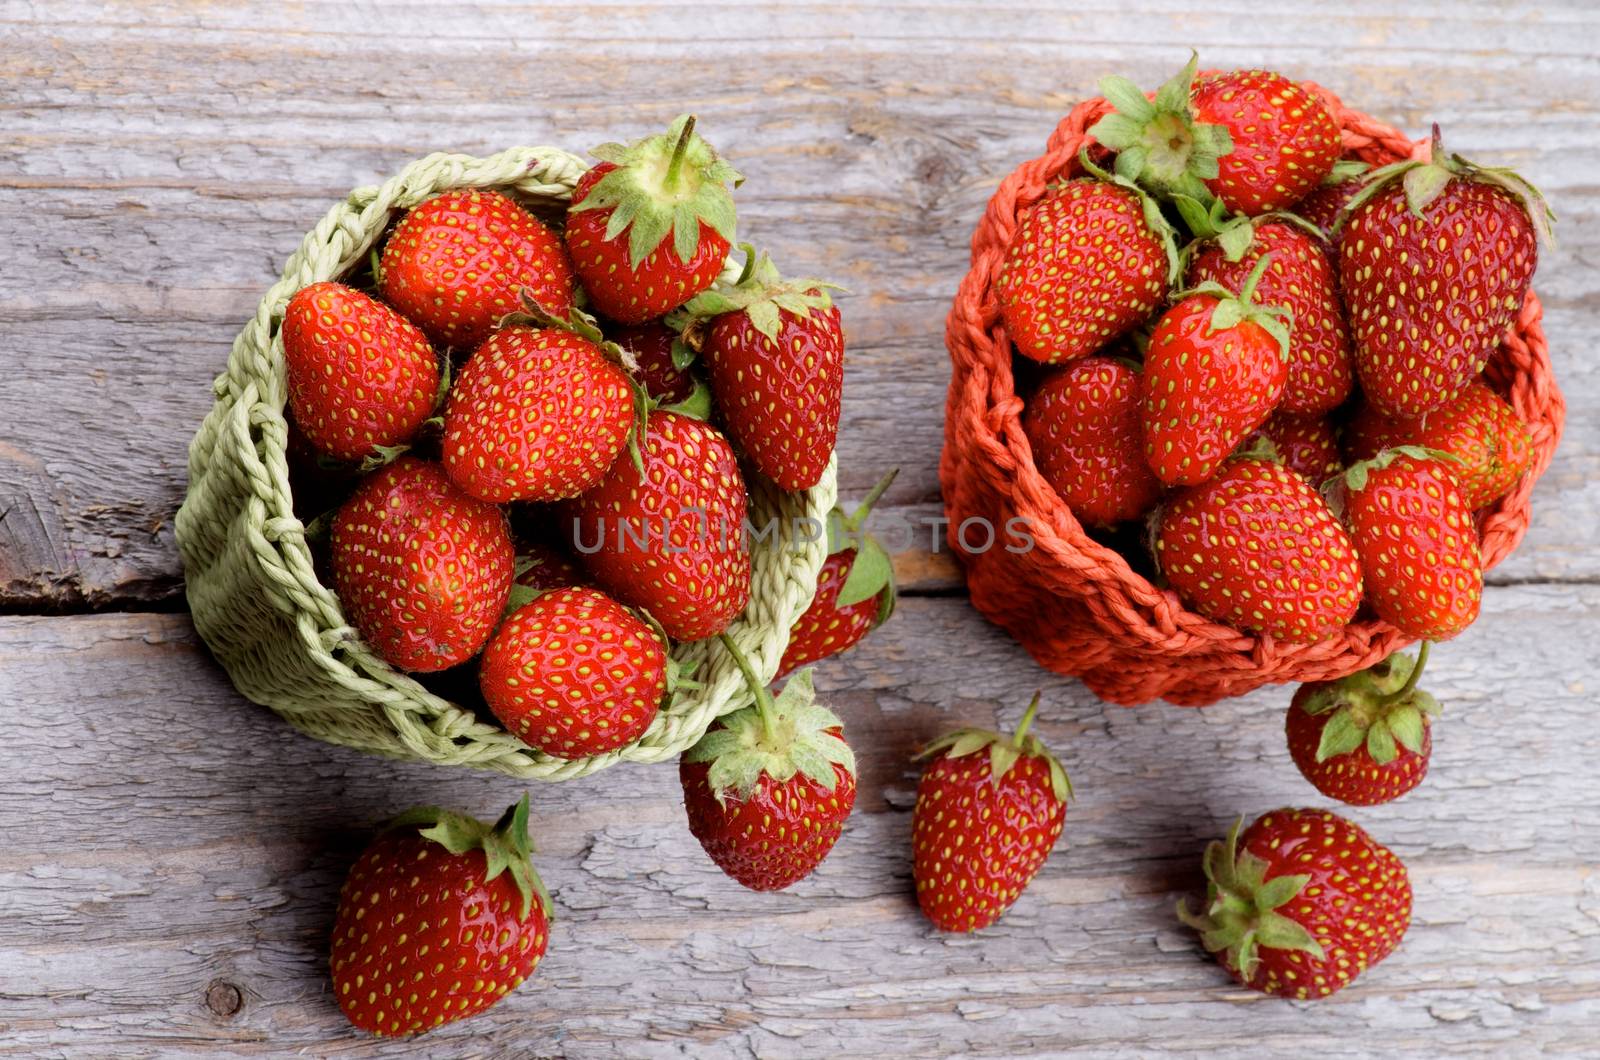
1302 903
769 787
1434 262
668 196
855 589
1326 202
1215 367
574 673
1299 281
1364 739
1306 444
984 823
1083 424
1417 541
421 568
1491 445
657 352
1258 548
456 263
361 376
541 567
1088 262
439 918
670 538
1253 139
537 414
774 350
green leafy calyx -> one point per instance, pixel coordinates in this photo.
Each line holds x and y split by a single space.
1159 143
1232 309
505 845
872 571
1380 708
1356 475
1004 751
760 292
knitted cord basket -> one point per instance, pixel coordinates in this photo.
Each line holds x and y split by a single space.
1077 605
280 633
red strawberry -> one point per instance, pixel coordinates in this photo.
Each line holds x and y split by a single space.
855 590
1364 739
1083 425
1214 369
1299 281
421 568
984 823
574 674
1306 444
1327 201
1258 548
541 567
1417 541
1302 903
1253 139
361 376
456 264
651 225
1491 445
775 352
535 415
670 538
439 918
1434 262
769 787
657 352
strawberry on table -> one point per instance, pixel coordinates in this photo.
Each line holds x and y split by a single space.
651 225
1434 262
769 787
989 811
361 377
1307 444
422 569
458 262
1301 904
1364 739
440 917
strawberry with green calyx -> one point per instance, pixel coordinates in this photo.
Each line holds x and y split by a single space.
440 917
651 225
769 787
1326 202
1216 366
855 589
661 360
984 823
1364 739
1435 259
1160 143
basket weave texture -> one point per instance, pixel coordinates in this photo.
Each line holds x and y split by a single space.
1074 603
280 633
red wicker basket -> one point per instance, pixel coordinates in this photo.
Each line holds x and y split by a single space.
1077 605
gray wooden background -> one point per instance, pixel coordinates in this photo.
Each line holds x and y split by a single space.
171 853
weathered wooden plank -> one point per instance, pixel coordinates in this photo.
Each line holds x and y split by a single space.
174 853
162 159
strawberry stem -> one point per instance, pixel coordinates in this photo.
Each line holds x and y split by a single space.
764 708
1027 719
1412 678
670 181
874 495
1247 292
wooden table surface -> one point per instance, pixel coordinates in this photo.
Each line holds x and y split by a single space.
172 853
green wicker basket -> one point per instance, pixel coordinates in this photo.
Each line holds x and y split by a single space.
280 633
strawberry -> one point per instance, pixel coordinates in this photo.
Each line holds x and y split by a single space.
855 589
1306 444
984 823
456 264
768 788
440 917
1491 445
667 534
651 225
1302 903
774 350
541 566
422 569
1326 202
1417 541
1084 427
661 360
1215 367
1258 548
1299 281
1434 261
1364 739
574 673
361 376
1251 138
1089 261
537 414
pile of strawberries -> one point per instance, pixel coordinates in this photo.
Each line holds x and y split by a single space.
1273 358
